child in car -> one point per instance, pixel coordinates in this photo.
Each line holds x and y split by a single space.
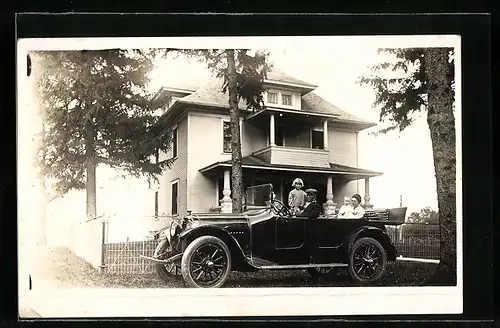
297 197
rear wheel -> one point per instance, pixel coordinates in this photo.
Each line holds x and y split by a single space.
206 263
168 271
367 260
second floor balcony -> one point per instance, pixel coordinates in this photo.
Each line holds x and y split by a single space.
294 155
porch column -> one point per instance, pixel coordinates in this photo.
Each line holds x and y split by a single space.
330 205
272 134
325 135
367 204
226 202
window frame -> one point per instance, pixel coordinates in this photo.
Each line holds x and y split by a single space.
286 94
224 121
277 93
176 183
317 129
175 142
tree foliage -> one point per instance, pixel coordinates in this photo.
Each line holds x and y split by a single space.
94 105
401 85
426 216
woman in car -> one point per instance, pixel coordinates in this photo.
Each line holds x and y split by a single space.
357 211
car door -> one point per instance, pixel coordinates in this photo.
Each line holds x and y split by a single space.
290 240
331 235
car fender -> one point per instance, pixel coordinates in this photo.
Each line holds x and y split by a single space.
378 234
187 236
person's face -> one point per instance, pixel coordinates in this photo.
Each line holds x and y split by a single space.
346 201
310 197
354 202
298 185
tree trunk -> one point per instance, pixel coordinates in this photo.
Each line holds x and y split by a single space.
237 171
442 129
90 167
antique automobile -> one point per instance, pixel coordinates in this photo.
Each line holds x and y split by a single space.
204 248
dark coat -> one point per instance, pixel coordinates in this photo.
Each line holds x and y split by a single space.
312 211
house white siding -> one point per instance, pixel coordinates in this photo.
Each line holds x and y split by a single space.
205 147
342 147
178 171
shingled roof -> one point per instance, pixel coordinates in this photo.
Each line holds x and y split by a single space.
211 95
277 75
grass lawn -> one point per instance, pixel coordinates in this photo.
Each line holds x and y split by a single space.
71 271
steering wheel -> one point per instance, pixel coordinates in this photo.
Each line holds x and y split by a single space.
280 208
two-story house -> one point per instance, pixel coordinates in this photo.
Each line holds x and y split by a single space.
297 134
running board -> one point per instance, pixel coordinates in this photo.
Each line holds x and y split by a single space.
412 259
173 258
301 266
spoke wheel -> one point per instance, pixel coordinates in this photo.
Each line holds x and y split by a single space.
367 260
206 263
168 271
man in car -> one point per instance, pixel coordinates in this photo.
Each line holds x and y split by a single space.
312 210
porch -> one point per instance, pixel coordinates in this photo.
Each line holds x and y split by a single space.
333 182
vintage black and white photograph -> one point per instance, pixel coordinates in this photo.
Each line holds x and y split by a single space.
243 176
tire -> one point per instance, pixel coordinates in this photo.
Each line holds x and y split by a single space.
204 256
367 260
167 272
319 272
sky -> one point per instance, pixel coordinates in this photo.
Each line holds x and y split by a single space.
404 158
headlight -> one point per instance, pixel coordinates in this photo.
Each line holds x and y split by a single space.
173 228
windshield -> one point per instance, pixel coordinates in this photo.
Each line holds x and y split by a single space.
259 195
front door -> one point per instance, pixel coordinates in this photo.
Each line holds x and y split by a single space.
290 241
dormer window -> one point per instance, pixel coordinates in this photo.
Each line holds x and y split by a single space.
286 99
272 97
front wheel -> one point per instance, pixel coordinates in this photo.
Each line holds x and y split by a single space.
206 263
367 260
167 271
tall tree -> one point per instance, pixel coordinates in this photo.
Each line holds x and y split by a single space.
96 110
243 74
423 81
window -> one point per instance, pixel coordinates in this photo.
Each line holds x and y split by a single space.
226 137
174 142
317 140
272 97
286 100
175 196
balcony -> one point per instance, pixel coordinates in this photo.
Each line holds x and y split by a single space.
294 156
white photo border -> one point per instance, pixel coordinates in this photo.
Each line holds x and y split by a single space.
95 302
